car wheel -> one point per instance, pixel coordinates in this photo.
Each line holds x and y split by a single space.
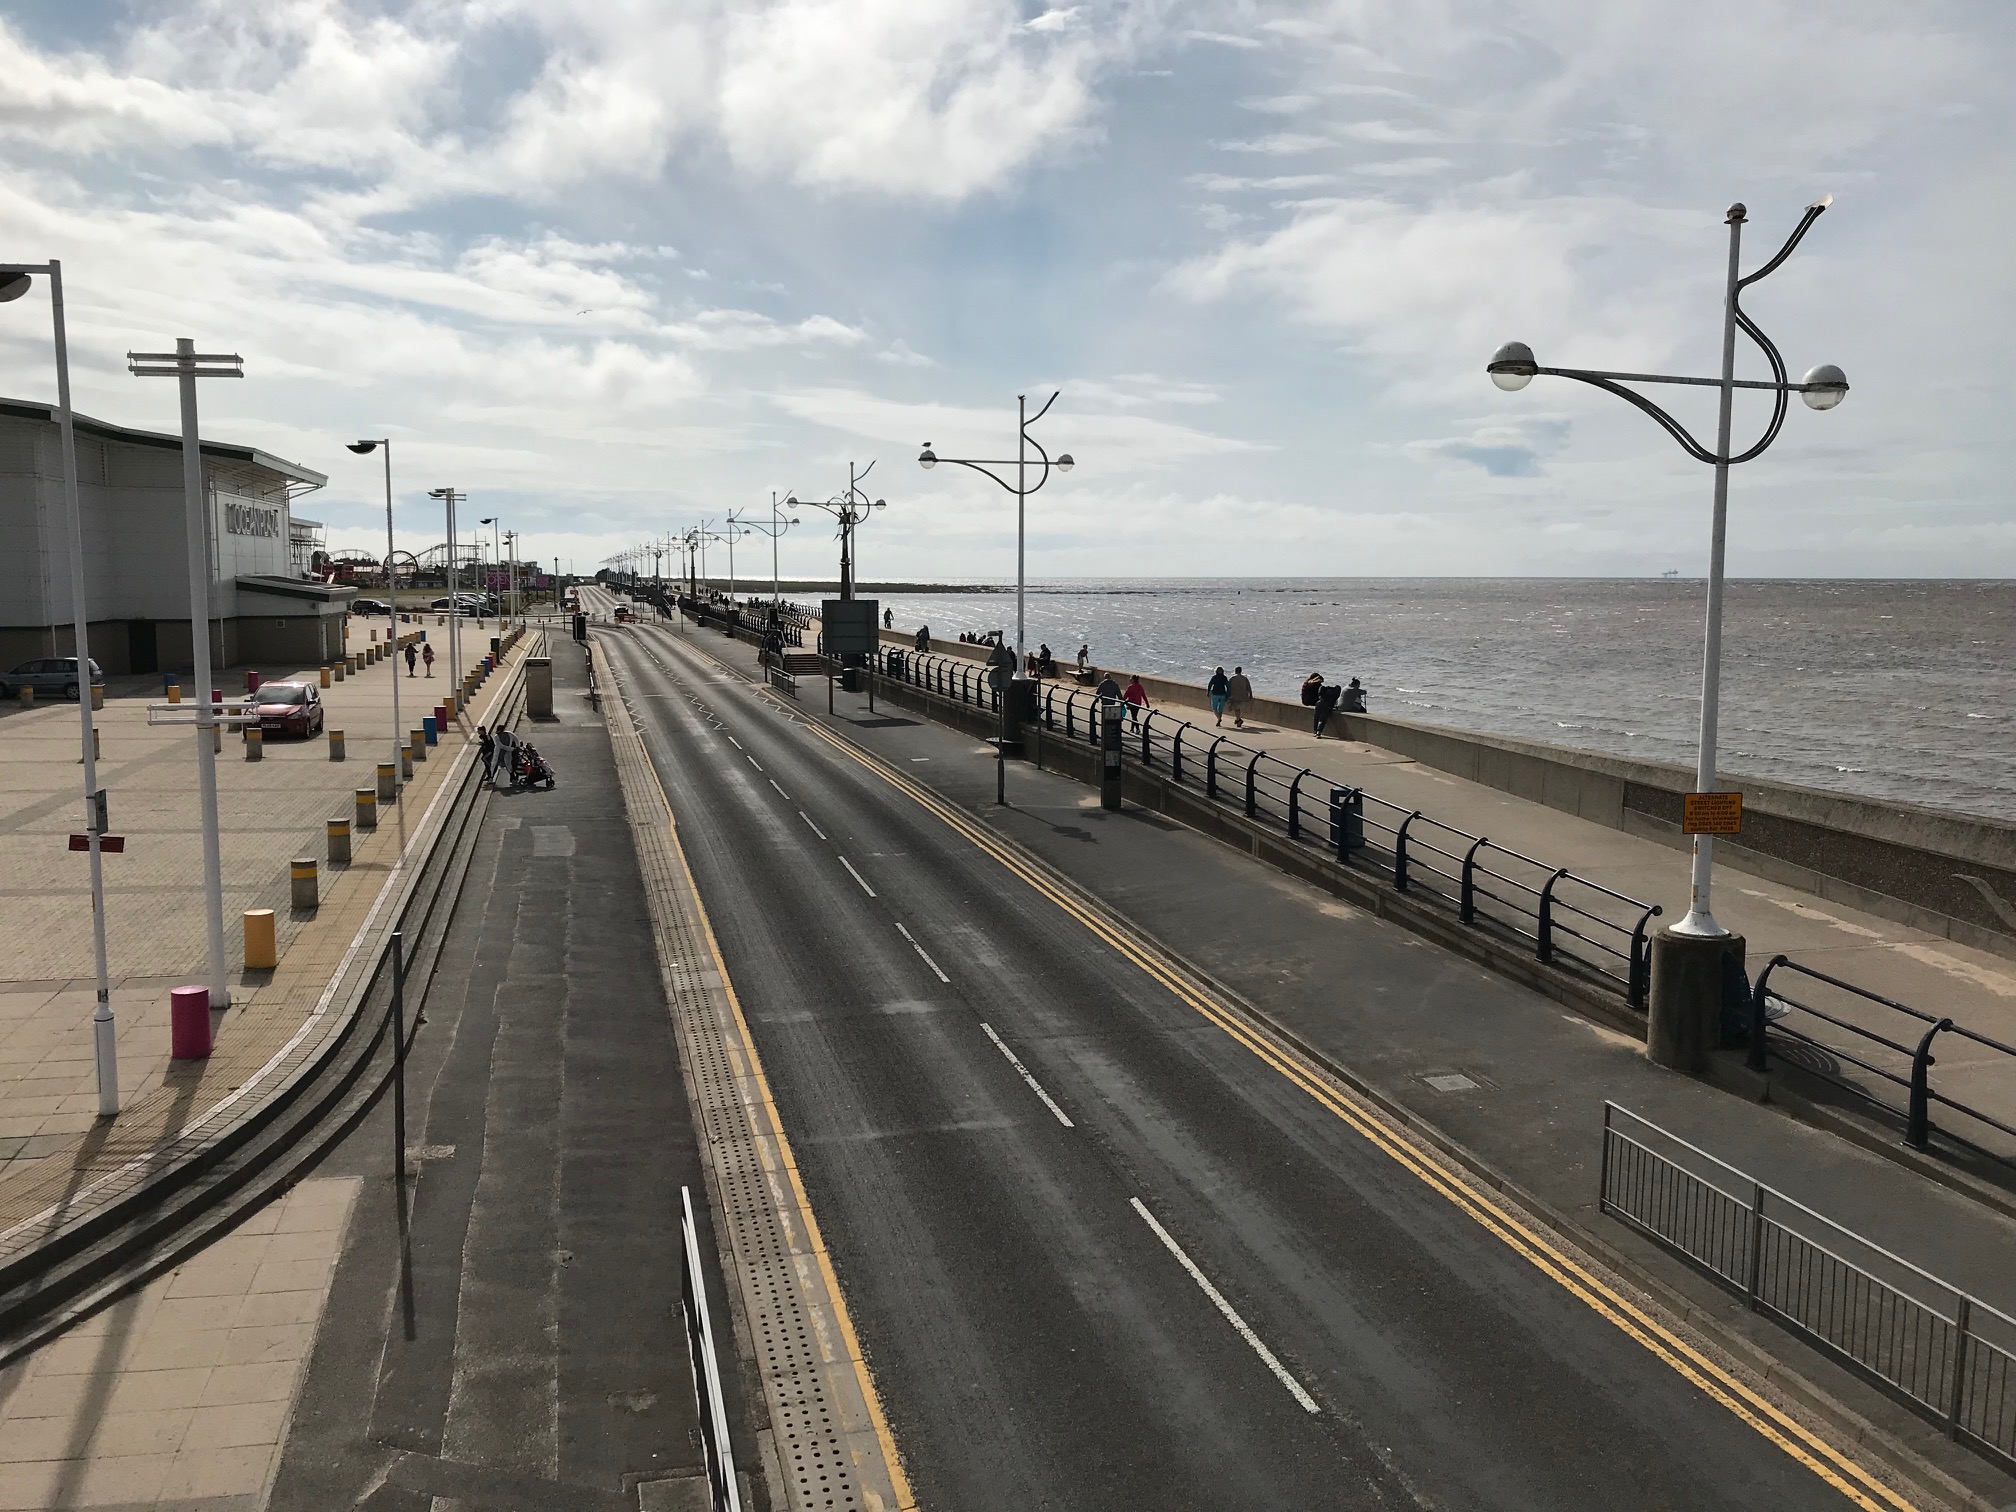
70 690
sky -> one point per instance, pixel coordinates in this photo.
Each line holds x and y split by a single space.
613 267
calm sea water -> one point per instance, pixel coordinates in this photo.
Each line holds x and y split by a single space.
1890 689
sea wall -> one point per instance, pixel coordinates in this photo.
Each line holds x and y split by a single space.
1948 873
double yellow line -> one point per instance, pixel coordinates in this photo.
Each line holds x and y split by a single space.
1844 1474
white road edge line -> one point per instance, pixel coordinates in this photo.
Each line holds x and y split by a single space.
927 959
1034 1085
1218 1299
780 792
857 876
815 828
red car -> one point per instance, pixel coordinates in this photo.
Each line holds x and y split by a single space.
288 708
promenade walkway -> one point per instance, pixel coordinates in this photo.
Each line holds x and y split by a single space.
52 1144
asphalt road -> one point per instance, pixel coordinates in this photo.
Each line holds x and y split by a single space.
1098 1253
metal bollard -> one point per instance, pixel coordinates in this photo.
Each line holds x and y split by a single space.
325 677
255 744
367 809
261 949
339 842
388 782
336 752
430 730
307 888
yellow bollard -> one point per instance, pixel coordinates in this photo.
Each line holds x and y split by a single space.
367 809
339 842
325 677
261 950
97 751
255 744
174 693
388 782
336 750
416 745
97 695
307 884
340 668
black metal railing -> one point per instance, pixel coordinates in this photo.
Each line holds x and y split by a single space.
1945 1354
1877 1049
1566 920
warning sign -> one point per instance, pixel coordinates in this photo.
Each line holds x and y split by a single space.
1711 814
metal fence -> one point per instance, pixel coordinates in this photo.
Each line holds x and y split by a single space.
1565 919
725 1494
1944 1353
1878 1049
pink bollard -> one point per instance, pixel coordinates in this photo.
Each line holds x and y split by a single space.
189 1023
251 681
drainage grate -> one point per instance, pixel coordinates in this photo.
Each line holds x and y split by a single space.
785 1300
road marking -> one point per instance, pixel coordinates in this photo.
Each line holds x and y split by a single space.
815 828
752 760
1231 1316
857 876
1832 1465
780 792
934 966
734 742
1021 1070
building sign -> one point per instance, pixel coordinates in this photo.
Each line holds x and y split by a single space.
1711 814
251 520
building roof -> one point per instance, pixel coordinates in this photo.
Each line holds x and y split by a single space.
23 409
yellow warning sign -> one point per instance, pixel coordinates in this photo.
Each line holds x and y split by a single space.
1712 814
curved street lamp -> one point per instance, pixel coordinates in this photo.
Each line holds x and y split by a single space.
775 530
364 449
850 509
1513 366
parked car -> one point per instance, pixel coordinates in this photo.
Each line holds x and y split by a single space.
288 708
49 674
465 603
369 606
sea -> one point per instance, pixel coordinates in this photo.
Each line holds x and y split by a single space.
1900 690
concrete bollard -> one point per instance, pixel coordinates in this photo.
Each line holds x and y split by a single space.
174 693
189 1023
430 731
97 695
416 745
27 696
307 884
255 744
339 842
336 752
1691 977
405 763
374 635
339 668
388 783
97 751
325 677
262 951
367 809
440 719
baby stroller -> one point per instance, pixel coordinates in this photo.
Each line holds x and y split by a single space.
529 769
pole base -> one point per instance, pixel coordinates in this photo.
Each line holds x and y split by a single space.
1684 1020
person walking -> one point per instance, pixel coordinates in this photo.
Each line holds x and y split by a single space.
412 656
1219 688
888 619
427 655
486 747
1084 652
1326 705
507 754
1238 694
1354 698
923 637
1107 692
1136 696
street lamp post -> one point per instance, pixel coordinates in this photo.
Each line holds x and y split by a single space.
365 448
186 364
496 544
775 529
1064 462
1512 367
450 498
850 509
511 575
15 280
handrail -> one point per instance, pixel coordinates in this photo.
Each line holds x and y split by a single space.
719 1449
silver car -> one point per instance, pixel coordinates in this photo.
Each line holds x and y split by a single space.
49 674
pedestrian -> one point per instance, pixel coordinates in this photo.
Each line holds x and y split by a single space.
1108 692
888 619
486 747
1238 694
412 656
1354 698
427 655
1311 686
1136 696
924 638
1046 664
507 754
1219 689
1326 705
1083 653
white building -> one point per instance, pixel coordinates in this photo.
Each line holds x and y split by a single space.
264 611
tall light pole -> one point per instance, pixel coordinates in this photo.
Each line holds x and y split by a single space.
850 509
450 497
775 529
15 280
511 575
1513 366
186 364
1012 696
363 449
496 544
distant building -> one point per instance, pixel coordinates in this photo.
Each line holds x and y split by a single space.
265 605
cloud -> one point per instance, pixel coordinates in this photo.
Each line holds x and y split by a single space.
1503 450
1280 144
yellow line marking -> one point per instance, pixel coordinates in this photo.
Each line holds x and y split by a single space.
1823 1459
906 1500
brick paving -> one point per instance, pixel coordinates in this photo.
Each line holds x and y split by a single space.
51 1143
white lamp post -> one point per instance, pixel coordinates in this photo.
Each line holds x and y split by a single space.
15 280
186 364
450 497
365 448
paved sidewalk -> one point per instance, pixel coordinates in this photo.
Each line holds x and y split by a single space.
271 811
